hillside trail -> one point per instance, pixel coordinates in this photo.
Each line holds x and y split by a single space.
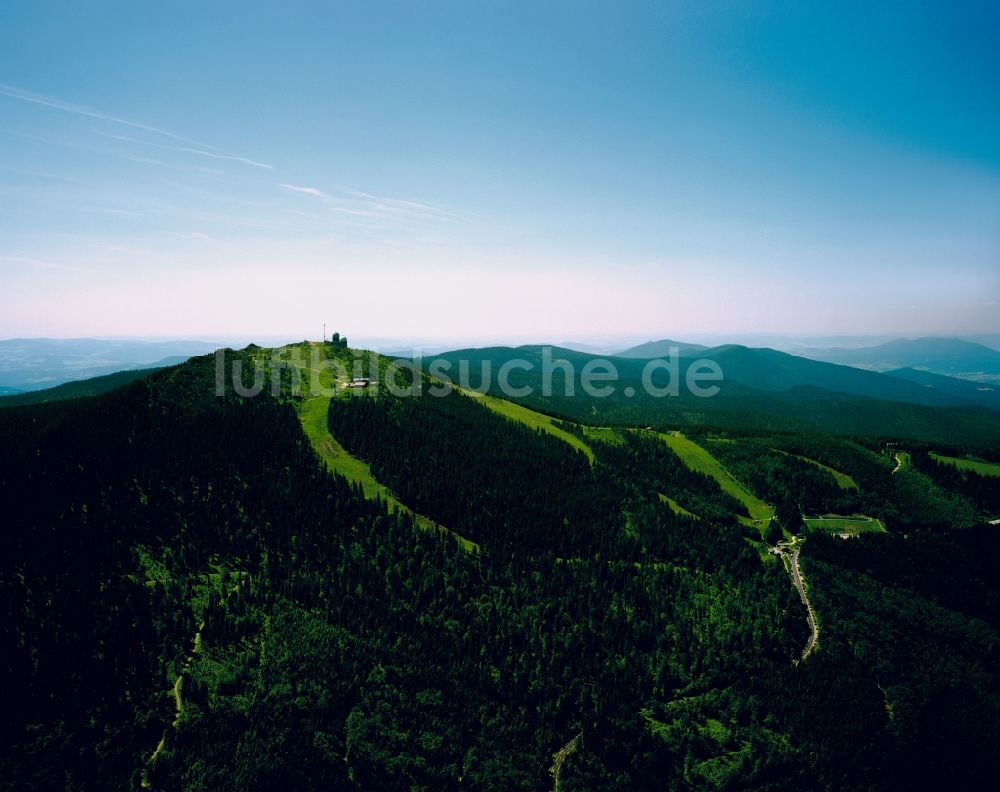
178 686
556 770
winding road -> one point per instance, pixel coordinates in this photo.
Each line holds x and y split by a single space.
791 549
810 613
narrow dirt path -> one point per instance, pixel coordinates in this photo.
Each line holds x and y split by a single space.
178 687
178 706
556 770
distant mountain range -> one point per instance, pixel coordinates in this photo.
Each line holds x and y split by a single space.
761 389
857 371
28 364
773 371
985 393
948 356
662 348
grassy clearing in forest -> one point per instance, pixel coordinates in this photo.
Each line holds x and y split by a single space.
701 461
312 414
975 465
529 417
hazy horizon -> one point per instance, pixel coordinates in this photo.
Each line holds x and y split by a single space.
600 344
521 172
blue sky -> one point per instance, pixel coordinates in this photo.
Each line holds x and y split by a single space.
509 171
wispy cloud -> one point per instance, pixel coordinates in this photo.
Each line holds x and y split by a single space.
111 211
359 212
370 210
305 191
192 235
39 264
187 150
364 204
187 145
401 205
332 203
171 166
66 107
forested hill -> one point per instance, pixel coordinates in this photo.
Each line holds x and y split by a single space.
76 390
192 601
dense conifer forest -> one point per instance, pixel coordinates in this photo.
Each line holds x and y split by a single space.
192 601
